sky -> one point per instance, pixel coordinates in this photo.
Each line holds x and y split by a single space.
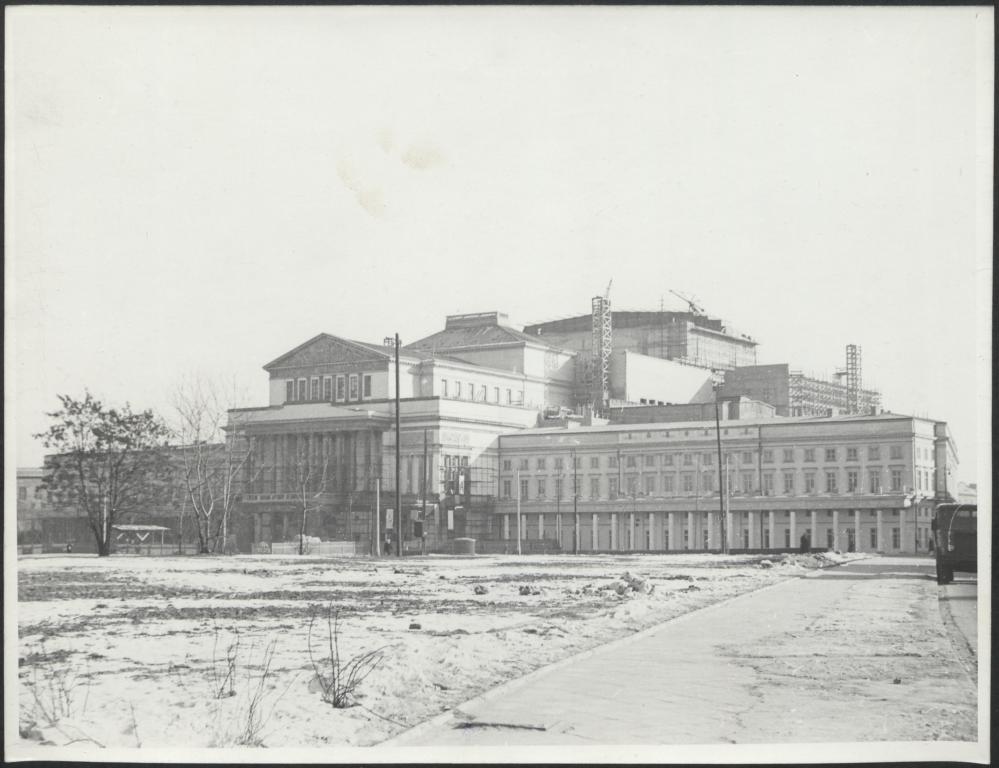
194 191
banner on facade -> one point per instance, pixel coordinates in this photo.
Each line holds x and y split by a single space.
388 518
450 519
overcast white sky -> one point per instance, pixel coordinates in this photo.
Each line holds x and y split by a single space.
201 189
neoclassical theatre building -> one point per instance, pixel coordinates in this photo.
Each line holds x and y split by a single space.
492 418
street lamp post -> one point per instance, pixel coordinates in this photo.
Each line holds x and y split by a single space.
575 509
722 476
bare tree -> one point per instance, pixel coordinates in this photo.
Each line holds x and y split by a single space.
214 454
108 461
310 474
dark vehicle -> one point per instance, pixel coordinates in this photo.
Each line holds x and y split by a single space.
955 534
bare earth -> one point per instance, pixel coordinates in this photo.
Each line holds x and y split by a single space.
131 651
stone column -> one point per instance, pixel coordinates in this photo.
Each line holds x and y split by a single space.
594 530
815 528
879 514
753 524
858 545
613 541
558 528
691 530
792 527
541 525
671 529
506 526
631 531
652 530
772 525
835 529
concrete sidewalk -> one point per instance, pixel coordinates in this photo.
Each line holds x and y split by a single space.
854 653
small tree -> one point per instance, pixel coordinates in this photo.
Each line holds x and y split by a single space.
310 474
214 458
108 461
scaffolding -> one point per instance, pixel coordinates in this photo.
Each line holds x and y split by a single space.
853 378
601 316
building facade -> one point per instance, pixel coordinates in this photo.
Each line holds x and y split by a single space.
794 394
849 483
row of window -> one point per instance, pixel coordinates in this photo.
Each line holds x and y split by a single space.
690 482
459 390
340 388
706 458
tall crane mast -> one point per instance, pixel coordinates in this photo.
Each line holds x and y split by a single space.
602 344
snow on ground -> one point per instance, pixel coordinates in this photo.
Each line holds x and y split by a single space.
131 651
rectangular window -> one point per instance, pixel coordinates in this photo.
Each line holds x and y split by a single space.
708 459
895 452
787 538
558 463
632 486
829 538
509 397
341 388
444 388
541 463
747 457
768 456
314 393
496 394
328 388
650 484
768 483
874 538
650 460
668 485
506 489
507 465
830 482
520 398
747 482
788 455
851 454
612 487
668 460
523 489
789 483
471 391
352 393
612 462
558 488
708 482
289 391
810 483
483 393
367 385
688 482
630 461
594 487
457 390
875 481
896 479
594 462
830 454
524 464
896 538
302 394
809 454
852 481
873 452
541 487
688 460
577 463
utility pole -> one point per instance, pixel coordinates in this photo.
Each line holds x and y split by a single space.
423 493
722 480
398 456
378 512
518 512
575 512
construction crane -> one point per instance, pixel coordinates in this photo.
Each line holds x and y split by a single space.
601 350
694 308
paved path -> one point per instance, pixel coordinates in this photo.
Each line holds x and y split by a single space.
959 606
853 653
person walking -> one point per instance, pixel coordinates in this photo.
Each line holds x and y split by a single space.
805 543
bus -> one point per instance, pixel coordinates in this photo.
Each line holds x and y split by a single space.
955 540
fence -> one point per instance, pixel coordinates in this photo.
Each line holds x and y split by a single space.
325 548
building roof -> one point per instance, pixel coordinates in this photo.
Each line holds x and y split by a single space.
489 331
379 349
673 426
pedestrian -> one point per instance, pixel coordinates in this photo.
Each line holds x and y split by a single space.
388 545
69 547
805 543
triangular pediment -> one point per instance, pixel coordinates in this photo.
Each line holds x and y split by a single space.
326 349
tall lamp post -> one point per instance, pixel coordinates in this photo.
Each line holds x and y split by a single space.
722 474
575 508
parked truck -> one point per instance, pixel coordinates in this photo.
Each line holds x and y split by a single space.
955 539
